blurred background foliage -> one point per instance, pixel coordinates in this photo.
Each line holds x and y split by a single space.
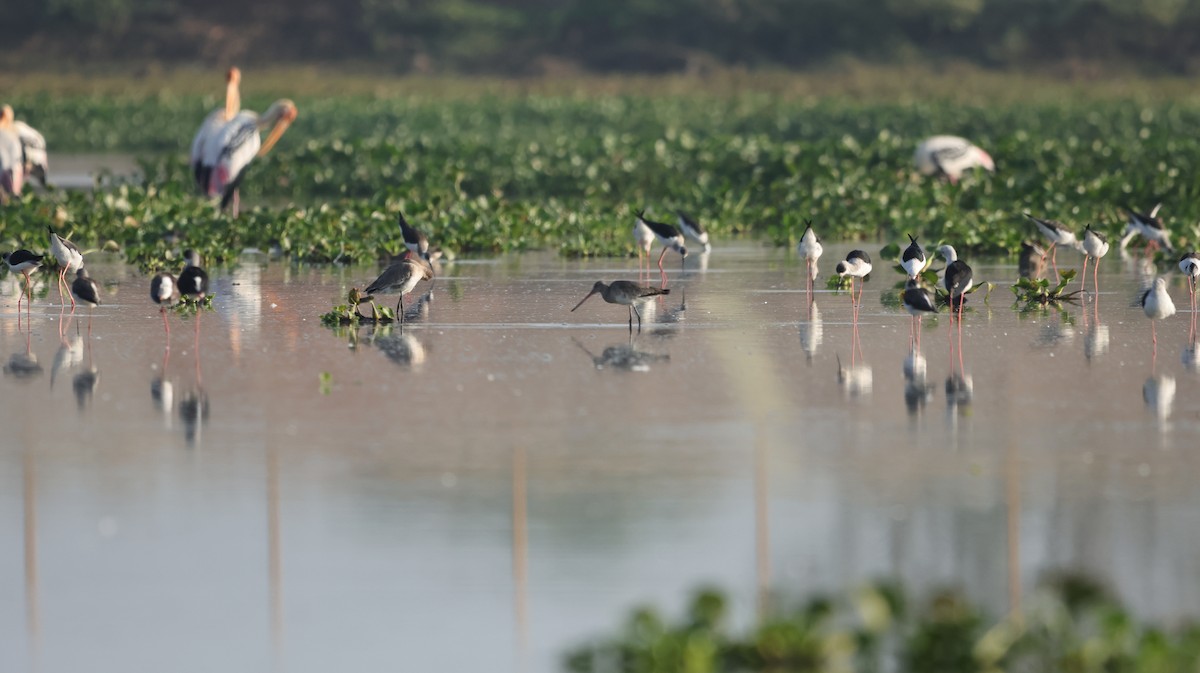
519 37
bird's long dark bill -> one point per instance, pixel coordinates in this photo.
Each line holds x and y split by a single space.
589 296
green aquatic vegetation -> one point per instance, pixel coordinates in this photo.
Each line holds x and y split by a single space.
1070 624
506 173
349 313
1036 292
190 306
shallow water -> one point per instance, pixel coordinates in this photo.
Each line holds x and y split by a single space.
507 473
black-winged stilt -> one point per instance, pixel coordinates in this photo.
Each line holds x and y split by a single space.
193 280
401 277
693 229
1157 304
84 289
69 259
23 262
918 301
856 265
164 291
414 240
1057 233
1189 264
1150 226
959 278
624 292
1031 261
1095 246
913 258
810 249
666 234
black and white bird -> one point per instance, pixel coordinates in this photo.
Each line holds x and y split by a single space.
913 258
206 142
918 301
1150 226
1189 264
69 257
238 143
950 156
24 263
810 249
193 280
668 235
1055 232
1095 246
164 291
1157 304
958 278
401 277
856 265
84 289
693 229
414 240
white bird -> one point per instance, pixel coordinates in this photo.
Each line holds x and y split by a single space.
810 249
1150 226
1189 264
856 265
913 258
239 143
210 129
33 149
950 156
1057 233
12 157
70 259
1157 304
1095 246
693 229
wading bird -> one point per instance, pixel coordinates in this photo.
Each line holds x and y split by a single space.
950 156
1189 264
959 278
666 234
1150 226
913 258
624 292
12 157
693 229
856 265
69 259
810 249
414 240
36 161
1095 246
193 280
238 143
1157 304
401 277
23 262
1057 233
918 301
1031 262
164 291
85 289
210 130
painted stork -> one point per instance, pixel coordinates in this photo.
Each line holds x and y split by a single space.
950 156
12 157
210 128
239 143
33 151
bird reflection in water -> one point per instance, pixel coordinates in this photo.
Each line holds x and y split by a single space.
194 406
960 387
1031 262
812 332
624 356
1158 392
403 349
68 356
1095 334
1058 332
855 379
24 366
1189 357
917 388
85 382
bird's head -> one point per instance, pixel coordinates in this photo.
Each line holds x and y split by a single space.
985 160
6 116
596 289
280 115
948 253
233 75
841 269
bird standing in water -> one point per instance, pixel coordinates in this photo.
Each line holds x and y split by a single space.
414 240
959 279
810 249
856 265
164 291
401 277
624 292
1157 304
69 259
913 258
23 262
693 229
1095 246
918 301
668 235
1189 264
193 280
1057 233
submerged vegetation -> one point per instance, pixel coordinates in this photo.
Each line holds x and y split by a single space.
504 172
1071 624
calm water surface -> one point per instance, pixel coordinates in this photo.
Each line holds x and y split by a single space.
511 475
